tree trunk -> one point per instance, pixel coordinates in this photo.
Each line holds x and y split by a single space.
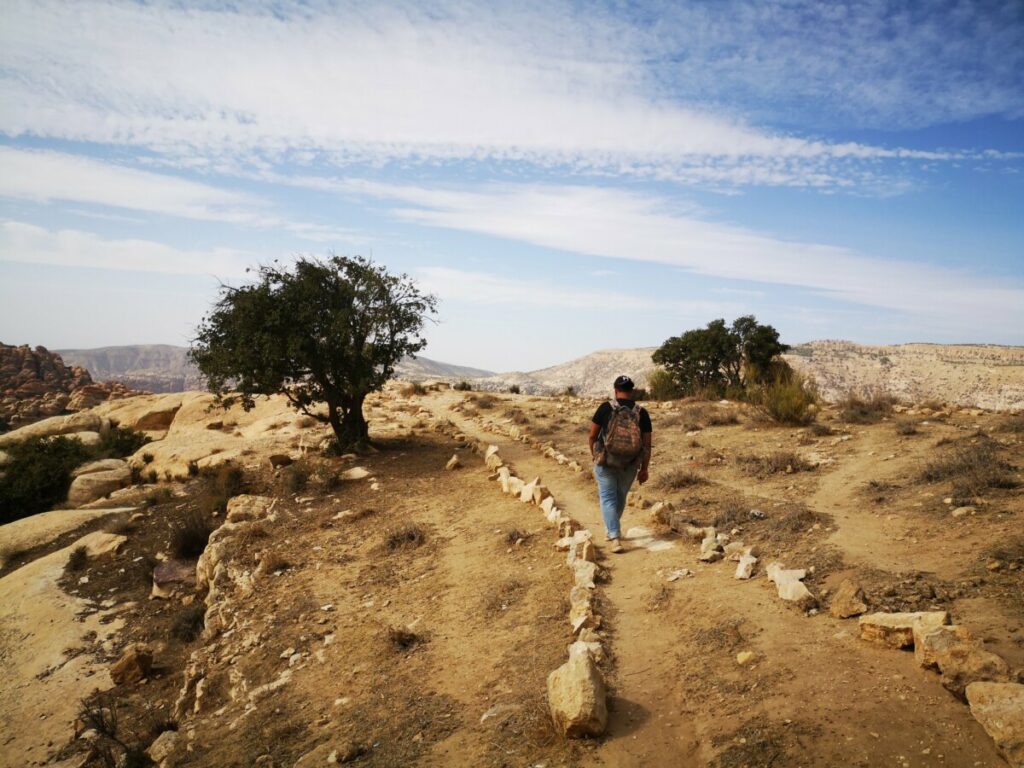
349 424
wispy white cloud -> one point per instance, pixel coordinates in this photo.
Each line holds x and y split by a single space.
491 289
636 227
31 244
548 85
43 176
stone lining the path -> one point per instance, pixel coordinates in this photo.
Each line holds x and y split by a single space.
577 696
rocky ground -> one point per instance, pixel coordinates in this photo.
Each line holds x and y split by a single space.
385 610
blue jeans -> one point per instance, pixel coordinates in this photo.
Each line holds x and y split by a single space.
613 483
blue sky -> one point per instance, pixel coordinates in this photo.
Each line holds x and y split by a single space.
564 176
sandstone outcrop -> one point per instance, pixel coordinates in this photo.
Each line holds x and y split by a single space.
36 384
848 601
95 485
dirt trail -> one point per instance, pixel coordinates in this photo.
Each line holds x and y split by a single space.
646 711
815 695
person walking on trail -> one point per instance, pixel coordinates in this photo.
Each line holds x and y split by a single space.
620 443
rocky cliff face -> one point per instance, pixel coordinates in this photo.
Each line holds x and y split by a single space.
153 367
35 384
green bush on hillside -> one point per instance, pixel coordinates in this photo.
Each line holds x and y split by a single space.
38 475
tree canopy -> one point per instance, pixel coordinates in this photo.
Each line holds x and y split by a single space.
719 357
322 333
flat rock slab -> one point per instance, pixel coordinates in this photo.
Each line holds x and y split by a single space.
896 630
999 707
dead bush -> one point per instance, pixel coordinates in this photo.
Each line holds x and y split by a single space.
514 535
972 469
797 521
484 402
721 418
773 463
295 477
868 409
191 535
1009 552
906 428
517 416
503 596
273 562
402 639
121 527
731 514
188 625
405 537
413 388
1013 423
679 478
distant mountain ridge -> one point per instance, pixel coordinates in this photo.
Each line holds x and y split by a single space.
974 375
166 368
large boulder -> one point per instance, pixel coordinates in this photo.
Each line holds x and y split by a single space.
96 485
896 630
999 707
56 425
103 465
576 697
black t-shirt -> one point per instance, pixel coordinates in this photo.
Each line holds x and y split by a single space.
604 412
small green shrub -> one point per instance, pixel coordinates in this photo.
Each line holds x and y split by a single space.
791 400
4 425
569 391
119 442
38 475
661 386
463 386
514 390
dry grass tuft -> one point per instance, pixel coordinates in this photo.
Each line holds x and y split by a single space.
405 537
679 478
189 623
906 428
402 639
854 409
973 469
515 535
773 463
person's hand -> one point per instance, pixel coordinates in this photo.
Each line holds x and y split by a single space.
641 476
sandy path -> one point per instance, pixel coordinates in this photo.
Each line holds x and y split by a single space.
647 719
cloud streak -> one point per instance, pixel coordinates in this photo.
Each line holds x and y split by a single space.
545 86
30 244
636 227
45 176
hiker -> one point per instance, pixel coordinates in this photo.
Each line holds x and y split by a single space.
620 443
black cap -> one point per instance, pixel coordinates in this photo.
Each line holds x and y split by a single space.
623 384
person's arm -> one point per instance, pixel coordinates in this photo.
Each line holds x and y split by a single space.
595 430
645 461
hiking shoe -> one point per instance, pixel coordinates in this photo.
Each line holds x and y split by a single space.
617 547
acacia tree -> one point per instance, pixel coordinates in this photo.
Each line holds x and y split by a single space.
716 357
321 333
